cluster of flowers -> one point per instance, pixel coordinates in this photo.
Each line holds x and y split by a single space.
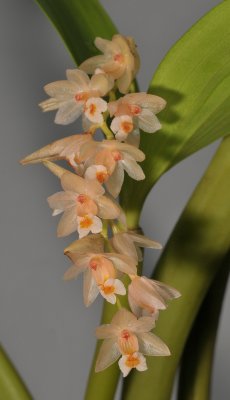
107 253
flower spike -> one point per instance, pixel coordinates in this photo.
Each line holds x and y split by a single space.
106 253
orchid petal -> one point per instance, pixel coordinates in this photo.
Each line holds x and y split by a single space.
61 90
132 168
68 112
125 80
62 200
152 345
72 273
67 223
74 183
80 79
145 324
135 308
93 244
90 288
115 181
106 331
50 104
59 149
100 84
122 262
107 208
108 354
123 367
106 46
124 319
148 122
143 241
124 245
92 63
137 154
167 292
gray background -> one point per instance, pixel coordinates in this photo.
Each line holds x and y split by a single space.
44 325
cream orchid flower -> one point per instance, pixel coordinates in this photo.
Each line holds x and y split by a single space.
120 60
109 162
137 109
76 95
64 149
147 296
100 269
83 203
130 338
129 243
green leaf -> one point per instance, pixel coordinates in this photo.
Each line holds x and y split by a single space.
190 262
194 78
11 385
79 22
196 366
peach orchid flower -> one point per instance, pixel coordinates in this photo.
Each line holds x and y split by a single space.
76 95
109 162
100 269
83 203
120 60
135 110
130 338
129 243
67 149
147 296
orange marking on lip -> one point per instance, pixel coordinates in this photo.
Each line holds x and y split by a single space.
86 222
132 361
92 109
108 289
101 176
127 126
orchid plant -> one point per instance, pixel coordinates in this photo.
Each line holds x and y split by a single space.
104 183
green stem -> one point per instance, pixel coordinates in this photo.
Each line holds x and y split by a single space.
189 263
108 133
196 366
11 385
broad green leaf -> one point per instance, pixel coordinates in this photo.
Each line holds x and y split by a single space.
11 385
196 366
190 262
194 78
79 22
